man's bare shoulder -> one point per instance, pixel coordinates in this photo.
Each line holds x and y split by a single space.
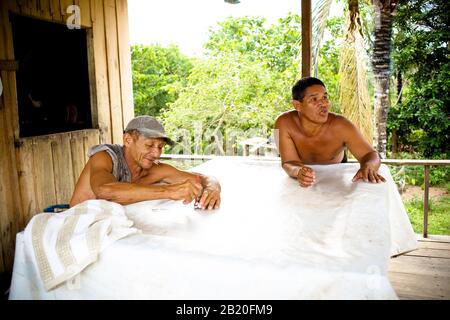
285 118
100 159
339 121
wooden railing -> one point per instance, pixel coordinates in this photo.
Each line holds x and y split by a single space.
426 164
394 162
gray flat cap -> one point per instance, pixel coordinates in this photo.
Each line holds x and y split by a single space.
149 127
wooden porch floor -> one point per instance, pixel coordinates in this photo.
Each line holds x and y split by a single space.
423 273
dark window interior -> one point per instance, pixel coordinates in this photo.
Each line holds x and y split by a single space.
52 80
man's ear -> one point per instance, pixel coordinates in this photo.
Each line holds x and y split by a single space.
127 139
297 105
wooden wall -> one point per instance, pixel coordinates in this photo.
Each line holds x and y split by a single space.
36 172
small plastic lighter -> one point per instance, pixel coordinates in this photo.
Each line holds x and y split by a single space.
197 200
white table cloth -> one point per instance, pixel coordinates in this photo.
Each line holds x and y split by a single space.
271 239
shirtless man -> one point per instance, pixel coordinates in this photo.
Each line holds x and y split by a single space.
132 172
311 134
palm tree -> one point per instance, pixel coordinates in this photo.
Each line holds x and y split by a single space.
353 97
381 60
354 101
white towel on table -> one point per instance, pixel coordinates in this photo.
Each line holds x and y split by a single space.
61 245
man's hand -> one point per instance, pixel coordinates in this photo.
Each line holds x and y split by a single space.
210 199
186 191
368 174
306 176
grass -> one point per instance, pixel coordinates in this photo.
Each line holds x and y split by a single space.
438 215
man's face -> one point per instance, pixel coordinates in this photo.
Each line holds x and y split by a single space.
315 104
146 150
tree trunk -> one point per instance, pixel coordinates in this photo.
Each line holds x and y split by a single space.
381 69
399 86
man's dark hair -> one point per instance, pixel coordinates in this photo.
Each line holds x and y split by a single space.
298 90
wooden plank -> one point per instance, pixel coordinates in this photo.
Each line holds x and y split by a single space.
5 206
90 139
11 210
5 191
306 38
434 245
112 57
55 9
24 7
85 11
101 110
62 167
35 8
8 220
14 6
10 89
43 172
93 10
434 238
26 180
45 10
416 162
420 287
64 4
91 76
77 153
126 81
42 11
434 253
420 266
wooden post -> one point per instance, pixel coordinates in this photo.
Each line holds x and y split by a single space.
425 201
306 38
246 150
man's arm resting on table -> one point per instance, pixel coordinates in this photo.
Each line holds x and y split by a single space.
210 186
105 186
367 157
368 171
292 168
290 160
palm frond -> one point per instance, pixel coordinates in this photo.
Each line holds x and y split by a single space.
354 95
321 11
355 17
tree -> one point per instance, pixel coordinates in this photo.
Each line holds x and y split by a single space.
381 59
422 56
227 98
276 46
350 78
155 71
244 83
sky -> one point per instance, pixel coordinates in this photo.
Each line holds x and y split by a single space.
186 22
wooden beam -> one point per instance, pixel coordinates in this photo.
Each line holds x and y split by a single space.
306 38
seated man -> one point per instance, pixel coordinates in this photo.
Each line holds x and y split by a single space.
130 173
311 134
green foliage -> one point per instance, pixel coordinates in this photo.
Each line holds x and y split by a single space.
277 46
157 72
226 98
328 68
244 83
422 120
438 219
